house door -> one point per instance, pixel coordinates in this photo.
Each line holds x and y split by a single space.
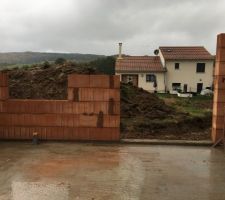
199 87
185 88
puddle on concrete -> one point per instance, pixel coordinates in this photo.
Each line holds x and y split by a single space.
111 172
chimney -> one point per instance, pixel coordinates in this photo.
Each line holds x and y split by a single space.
120 50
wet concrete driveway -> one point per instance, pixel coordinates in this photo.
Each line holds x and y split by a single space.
68 171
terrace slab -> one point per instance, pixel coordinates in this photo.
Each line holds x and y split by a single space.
68 171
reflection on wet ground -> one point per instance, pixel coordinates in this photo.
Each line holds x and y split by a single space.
89 171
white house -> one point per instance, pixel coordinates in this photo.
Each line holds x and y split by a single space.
189 69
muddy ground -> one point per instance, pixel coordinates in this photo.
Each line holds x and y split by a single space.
143 115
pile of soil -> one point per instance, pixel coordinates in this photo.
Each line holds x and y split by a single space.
136 102
43 82
143 115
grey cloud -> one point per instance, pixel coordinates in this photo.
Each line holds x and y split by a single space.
96 26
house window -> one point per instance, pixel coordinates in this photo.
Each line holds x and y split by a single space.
176 86
150 78
130 78
177 66
200 68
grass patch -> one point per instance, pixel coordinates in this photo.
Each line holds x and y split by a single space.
197 106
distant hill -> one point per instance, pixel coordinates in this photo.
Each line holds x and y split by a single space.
37 57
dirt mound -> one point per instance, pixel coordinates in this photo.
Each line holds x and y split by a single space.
145 115
44 82
138 102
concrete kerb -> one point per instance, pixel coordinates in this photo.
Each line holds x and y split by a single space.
167 142
206 143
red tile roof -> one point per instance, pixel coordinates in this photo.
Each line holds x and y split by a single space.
139 64
186 53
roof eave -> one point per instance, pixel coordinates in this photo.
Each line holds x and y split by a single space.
172 59
141 71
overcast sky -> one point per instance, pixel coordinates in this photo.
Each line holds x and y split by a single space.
96 26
